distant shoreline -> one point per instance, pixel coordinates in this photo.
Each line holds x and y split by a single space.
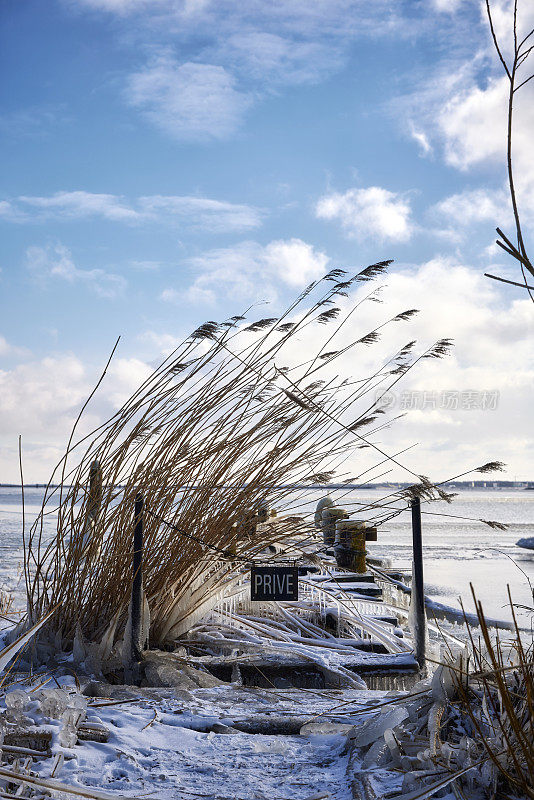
521 485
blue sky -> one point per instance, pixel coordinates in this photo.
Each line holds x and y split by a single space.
171 161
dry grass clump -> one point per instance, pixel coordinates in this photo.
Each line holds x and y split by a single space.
6 602
481 721
226 423
467 730
498 698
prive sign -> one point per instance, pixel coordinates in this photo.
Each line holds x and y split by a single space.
274 583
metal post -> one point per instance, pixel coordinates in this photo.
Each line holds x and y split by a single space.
418 587
137 581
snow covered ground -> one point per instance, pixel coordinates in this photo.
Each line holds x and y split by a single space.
155 747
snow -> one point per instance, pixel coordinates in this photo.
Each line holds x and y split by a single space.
175 761
153 747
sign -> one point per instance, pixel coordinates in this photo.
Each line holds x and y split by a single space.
274 583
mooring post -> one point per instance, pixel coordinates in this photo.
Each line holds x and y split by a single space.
418 587
137 580
92 509
95 490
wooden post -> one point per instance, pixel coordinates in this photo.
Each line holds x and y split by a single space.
137 580
330 515
418 587
349 547
95 490
92 509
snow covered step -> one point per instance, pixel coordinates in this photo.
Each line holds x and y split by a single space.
391 665
294 670
362 589
350 577
370 646
344 577
385 618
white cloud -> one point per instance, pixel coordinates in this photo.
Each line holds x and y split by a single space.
463 117
372 213
41 398
250 271
122 7
55 262
5 208
9 350
35 122
502 13
447 6
145 266
188 101
258 45
294 262
472 124
422 140
171 295
82 204
203 213
331 20
10 213
473 206
330 26
270 57
472 128
36 395
165 343
125 376
493 335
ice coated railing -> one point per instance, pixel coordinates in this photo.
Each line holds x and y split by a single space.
319 608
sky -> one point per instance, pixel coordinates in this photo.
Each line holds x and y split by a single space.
171 161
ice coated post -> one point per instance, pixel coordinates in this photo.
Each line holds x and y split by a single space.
262 511
132 659
325 502
329 518
349 547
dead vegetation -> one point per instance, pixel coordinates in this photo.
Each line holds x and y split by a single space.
469 729
231 421
514 53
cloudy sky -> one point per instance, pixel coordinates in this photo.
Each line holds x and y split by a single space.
171 161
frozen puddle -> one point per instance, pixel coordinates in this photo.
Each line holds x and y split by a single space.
171 761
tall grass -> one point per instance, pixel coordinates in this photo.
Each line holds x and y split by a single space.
498 697
227 422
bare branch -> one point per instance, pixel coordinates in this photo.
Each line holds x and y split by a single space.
522 42
517 88
523 57
495 41
504 280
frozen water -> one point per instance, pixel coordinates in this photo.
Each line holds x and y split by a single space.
456 551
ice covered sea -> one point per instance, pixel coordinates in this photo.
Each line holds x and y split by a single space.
456 551
158 746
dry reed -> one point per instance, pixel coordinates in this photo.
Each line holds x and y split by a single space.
497 696
221 427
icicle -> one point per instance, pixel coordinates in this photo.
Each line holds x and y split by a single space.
78 648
